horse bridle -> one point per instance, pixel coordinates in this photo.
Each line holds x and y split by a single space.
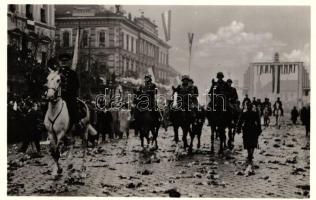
54 120
56 93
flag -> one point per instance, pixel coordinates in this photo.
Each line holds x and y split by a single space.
166 24
190 35
278 80
151 72
273 79
76 50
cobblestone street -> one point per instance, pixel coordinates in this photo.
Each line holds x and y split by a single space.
120 168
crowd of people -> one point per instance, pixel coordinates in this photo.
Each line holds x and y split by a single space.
28 111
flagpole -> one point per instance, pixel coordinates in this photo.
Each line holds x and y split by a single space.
190 36
190 61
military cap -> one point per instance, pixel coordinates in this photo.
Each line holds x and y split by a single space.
220 75
229 80
148 76
64 57
185 77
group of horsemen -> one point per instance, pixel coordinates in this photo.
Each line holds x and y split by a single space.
187 91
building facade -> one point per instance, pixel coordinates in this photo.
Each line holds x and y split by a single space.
287 80
31 34
114 44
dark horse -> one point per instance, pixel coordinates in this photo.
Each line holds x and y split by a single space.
221 115
146 120
197 125
180 116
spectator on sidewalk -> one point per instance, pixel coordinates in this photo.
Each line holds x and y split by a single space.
32 127
294 115
305 118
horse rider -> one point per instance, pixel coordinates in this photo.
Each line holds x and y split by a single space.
194 93
267 103
278 101
185 91
219 87
232 92
69 85
149 89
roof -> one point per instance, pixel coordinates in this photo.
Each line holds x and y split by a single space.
64 12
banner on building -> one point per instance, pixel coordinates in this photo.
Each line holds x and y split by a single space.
76 51
166 24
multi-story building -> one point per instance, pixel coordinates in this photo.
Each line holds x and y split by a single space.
115 44
31 33
287 80
32 27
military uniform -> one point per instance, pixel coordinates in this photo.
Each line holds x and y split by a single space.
280 106
232 95
149 90
218 88
69 91
184 92
195 94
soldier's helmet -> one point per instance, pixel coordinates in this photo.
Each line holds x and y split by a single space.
185 77
148 76
229 80
191 80
220 75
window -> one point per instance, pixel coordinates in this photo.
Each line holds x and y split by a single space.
132 44
127 42
43 15
28 9
12 8
85 38
266 69
101 39
123 43
66 39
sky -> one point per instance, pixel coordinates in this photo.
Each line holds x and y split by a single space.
228 38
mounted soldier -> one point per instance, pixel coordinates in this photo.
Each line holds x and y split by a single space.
69 84
184 92
219 115
149 90
232 95
194 93
146 115
70 87
181 114
278 101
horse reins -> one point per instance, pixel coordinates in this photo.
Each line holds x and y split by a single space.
53 121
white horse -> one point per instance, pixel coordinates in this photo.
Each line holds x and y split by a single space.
57 119
278 115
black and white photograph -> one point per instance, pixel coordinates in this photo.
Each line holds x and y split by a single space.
129 100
